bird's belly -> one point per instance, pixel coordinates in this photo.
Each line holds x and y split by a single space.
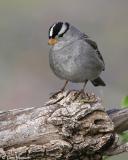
66 67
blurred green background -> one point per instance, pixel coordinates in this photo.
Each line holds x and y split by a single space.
25 76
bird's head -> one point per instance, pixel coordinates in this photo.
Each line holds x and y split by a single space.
57 31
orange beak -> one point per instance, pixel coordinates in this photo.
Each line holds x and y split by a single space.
52 41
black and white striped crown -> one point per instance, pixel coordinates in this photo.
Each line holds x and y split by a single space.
58 29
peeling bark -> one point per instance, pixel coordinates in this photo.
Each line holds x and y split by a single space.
66 127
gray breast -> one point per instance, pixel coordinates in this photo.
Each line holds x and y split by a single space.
76 62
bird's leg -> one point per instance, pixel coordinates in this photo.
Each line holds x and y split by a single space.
81 92
65 84
88 98
84 96
61 90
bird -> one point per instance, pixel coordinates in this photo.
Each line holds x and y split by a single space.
74 56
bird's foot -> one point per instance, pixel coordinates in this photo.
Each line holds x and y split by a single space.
54 95
60 91
89 98
80 94
85 97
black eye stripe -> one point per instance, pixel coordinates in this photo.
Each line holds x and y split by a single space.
55 29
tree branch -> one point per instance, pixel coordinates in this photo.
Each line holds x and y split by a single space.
67 127
117 150
120 119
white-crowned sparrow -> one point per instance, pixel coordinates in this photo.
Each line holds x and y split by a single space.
74 56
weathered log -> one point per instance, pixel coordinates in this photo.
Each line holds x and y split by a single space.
66 127
120 119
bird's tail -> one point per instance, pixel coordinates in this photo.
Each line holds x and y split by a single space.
98 82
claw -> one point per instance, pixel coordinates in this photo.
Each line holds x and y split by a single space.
78 94
89 98
85 97
60 91
53 96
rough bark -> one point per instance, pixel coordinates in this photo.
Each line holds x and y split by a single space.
68 126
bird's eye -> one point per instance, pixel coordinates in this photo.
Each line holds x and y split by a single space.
60 35
58 30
